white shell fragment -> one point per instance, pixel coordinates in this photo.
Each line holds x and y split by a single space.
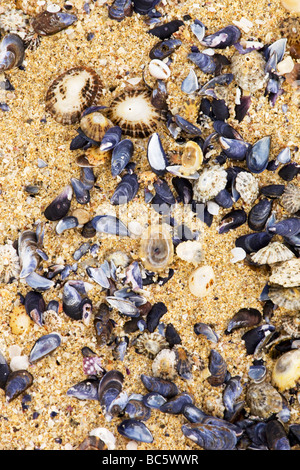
274 252
190 251
238 254
286 274
190 83
106 436
201 281
159 70
247 186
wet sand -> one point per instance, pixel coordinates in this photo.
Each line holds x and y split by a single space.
118 52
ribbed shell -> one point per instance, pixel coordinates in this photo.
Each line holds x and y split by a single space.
211 181
290 199
247 186
286 297
287 274
274 252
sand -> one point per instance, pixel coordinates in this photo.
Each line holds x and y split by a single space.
52 420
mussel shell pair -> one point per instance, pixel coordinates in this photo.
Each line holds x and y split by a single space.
47 23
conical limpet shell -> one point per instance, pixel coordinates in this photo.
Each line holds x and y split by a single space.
94 125
247 186
71 93
286 297
201 281
134 113
156 249
287 274
290 199
286 371
274 252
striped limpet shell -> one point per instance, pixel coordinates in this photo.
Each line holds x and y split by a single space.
274 252
290 199
134 113
71 93
286 297
286 274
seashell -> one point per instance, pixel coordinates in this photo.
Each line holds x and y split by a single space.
134 113
164 49
156 248
289 171
29 250
184 189
124 306
91 363
103 325
17 382
286 371
92 443
44 346
204 329
286 228
163 365
242 108
150 344
291 5
35 306
121 156
225 130
190 251
245 317
201 281
88 231
82 194
232 392
47 23
159 96
257 372
253 242
166 30
110 224
175 405
272 191
211 181
208 88
218 369
247 186
81 251
191 158
235 149
98 275
278 47
85 390
66 223
210 437
157 311
254 336
223 38
286 274
12 52
159 70
205 62
172 336
74 306
274 252
290 199
110 387
224 199
276 436
119 9
136 409
190 84
163 191
38 283
183 363
71 93
153 400
166 388
126 190
111 138
258 155
193 413
4 371
263 399
187 126
198 28
10 263
94 124
249 71
136 430
156 155
232 220
60 206
259 215
288 298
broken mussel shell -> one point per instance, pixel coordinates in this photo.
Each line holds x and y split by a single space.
223 38
156 248
245 317
134 113
12 52
71 93
136 430
17 383
47 23
44 346
60 206
92 443
85 390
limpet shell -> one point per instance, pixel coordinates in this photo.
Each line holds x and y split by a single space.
247 186
94 125
287 274
274 252
290 199
191 158
201 281
286 371
286 297
156 248
291 5
249 71
134 113
150 344
164 363
263 399
210 182
71 93
159 70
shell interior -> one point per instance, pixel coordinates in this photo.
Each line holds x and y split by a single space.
71 93
134 113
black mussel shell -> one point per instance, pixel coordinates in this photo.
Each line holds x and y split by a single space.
103 325
223 38
245 317
232 220
166 388
184 188
17 382
224 199
157 311
109 224
111 138
186 126
163 49
110 387
44 346
259 215
257 157
175 405
289 171
210 437
126 190
218 369
66 223
80 142
286 228
242 108
162 189
136 430
35 306
73 305
120 9
154 400
254 336
159 96
220 109
205 62
225 130
204 329
121 156
194 414
47 23
85 390
172 335
60 206
136 409
252 242
4 371
232 392
272 191
276 436
235 149
166 30
82 194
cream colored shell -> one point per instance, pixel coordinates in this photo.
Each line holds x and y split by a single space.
286 274
286 372
291 5
202 281
274 252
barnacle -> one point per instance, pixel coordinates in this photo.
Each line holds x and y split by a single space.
249 71
291 198
150 344
247 186
211 181
286 274
9 263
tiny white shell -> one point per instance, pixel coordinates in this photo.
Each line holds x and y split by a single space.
238 254
190 251
106 436
159 70
201 281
